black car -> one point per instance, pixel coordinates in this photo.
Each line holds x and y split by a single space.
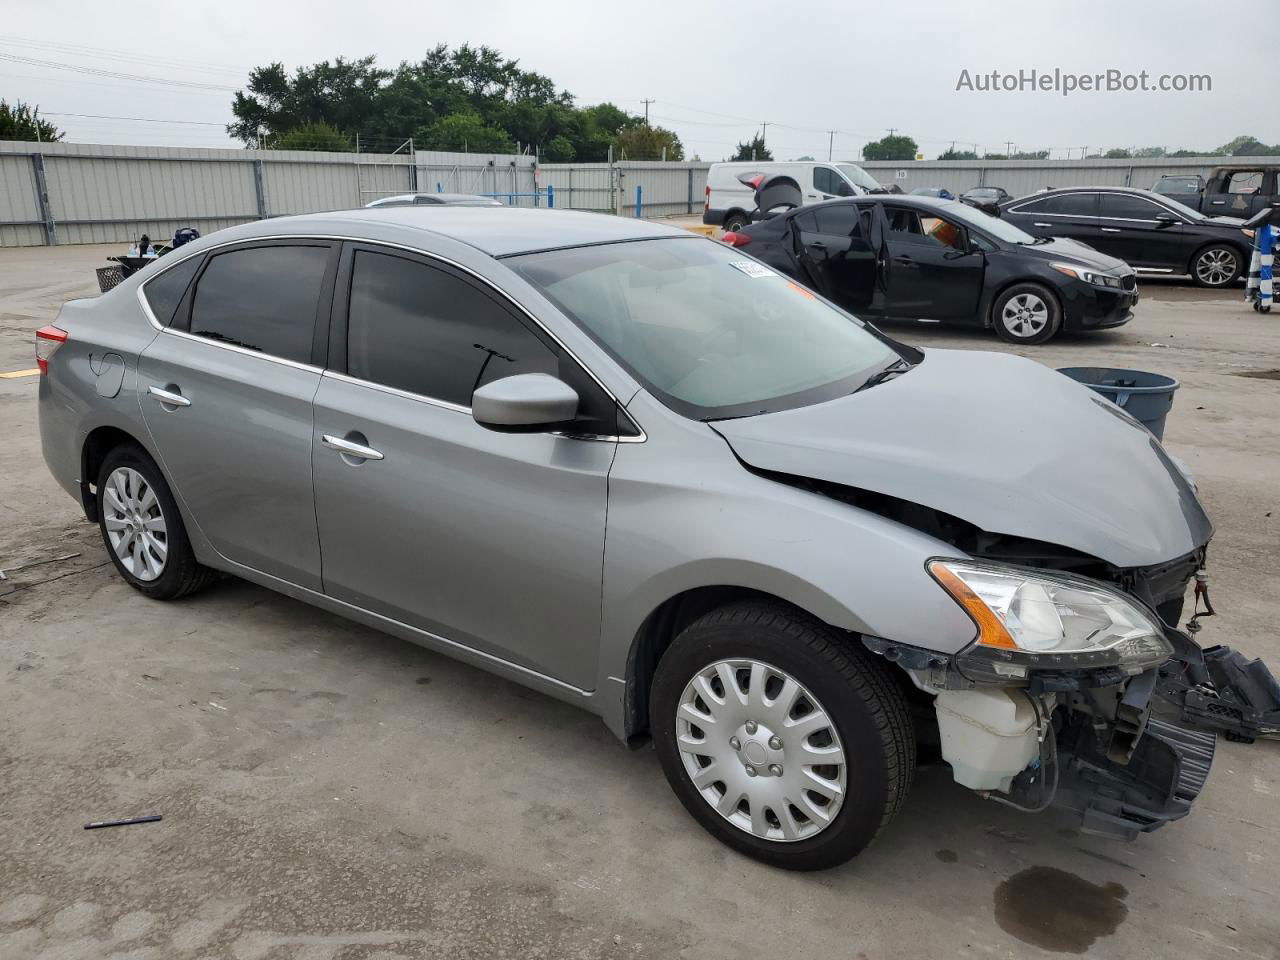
1143 228
986 199
918 258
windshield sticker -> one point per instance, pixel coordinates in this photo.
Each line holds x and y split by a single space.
752 269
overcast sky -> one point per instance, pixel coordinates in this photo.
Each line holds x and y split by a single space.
716 70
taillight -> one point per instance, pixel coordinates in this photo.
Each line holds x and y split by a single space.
735 239
706 199
48 340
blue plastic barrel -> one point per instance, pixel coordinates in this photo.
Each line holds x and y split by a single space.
1147 397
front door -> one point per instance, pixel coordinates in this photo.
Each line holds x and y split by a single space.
490 540
1129 227
931 270
226 393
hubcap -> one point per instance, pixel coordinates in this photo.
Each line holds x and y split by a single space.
761 750
135 523
1216 267
1025 315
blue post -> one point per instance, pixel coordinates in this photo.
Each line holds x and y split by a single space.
551 196
639 200
510 202
439 189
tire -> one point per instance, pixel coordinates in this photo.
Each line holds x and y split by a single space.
858 711
1027 313
1216 266
142 528
736 221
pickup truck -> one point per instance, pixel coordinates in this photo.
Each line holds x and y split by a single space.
1231 191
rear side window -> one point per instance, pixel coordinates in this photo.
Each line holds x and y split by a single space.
165 292
262 298
424 330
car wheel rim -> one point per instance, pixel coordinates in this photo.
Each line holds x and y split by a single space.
1025 315
135 524
1216 267
761 750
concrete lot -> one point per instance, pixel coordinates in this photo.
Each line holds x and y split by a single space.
332 793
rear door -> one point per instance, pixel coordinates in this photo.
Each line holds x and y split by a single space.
226 392
1070 215
494 541
931 270
835 243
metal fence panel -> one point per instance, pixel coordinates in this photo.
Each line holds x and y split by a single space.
20 220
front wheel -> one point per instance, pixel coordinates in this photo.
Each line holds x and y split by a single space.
782 738
1026 313
1216 266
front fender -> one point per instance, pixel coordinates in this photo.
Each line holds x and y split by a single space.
685 513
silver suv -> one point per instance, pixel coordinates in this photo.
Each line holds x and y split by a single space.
641 472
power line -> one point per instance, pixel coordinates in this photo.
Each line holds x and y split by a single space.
98 116
114 74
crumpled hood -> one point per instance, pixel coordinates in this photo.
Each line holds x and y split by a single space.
1000 441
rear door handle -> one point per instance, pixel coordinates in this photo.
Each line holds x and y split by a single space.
1037 224
351 449
168 397
1110 229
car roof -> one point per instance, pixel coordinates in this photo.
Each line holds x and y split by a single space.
498 232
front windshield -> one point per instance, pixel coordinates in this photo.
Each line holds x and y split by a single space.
859 176
709 332
1000 229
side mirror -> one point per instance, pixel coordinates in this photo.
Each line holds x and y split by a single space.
1165 220
525 403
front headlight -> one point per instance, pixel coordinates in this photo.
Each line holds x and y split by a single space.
1088 276
1029 619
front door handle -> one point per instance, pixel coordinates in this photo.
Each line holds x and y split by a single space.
902 258
358 450
168 397
1110 229
1038 224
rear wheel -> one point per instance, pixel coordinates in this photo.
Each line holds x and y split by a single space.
736 220
781 737
142 528
1216 266
1026 313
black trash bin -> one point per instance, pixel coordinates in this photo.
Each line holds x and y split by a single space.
1147 397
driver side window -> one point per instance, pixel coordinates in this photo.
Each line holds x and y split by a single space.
828 181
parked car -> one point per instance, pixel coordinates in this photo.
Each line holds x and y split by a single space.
941 193
643 473
1149 231
1186 190
1236 190
986 199
916 258
435 199
729 202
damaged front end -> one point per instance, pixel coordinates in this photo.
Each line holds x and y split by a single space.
1099 706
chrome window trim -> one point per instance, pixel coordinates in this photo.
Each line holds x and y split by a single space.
445 404
1078 216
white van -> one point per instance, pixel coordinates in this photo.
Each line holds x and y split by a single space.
729 203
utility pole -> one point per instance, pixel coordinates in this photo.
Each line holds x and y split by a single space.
1008 151
831 140
646 110
764 131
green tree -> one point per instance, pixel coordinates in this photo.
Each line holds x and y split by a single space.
647 143
1248 147
312 136
1147 153
22 122
464 132
1187 153
806 157
753 149
954 154
1117 153
892 147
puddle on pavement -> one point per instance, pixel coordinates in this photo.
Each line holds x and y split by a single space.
946 856
1058 911
1260 374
